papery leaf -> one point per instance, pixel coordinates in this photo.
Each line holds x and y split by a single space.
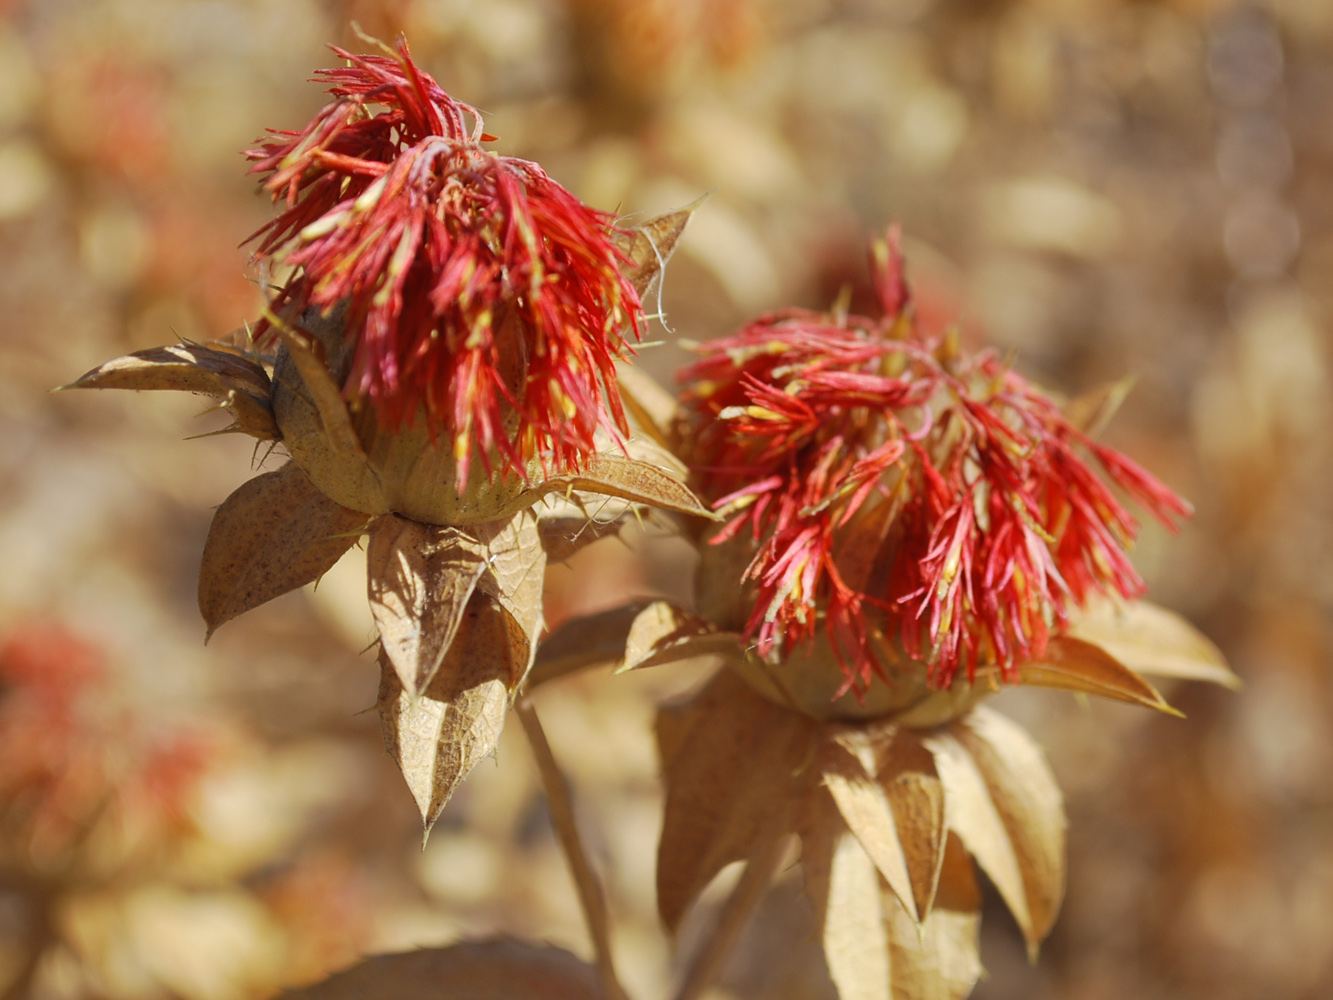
239 383
275 533
735 766
628 479
972 814
596 640
502 969
906 771
872 945
941 959
420 579
1028 800
1093 410
1153 640
855 943
514 577
649 246
1071 664
664 632
652 408
437 737
847 767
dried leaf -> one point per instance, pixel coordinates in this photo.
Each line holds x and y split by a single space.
871 943
940 960
855 944
1071 664
437 737
1028 800
735 766
515 574
628 479
1093 410
1153 640
275 533
906 771
420 580
663 632
847 767
242 385
502 969
971 813
583 643
648 247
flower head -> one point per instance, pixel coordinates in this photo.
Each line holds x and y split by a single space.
902 494
481 296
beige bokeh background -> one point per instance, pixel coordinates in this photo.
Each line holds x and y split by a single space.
1098 187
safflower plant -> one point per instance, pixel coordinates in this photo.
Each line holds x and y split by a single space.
891 529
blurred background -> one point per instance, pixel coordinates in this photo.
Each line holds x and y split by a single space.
1099 187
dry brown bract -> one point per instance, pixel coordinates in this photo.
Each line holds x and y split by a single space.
455 574
887 810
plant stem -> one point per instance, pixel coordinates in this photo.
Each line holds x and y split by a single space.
591 896
735 915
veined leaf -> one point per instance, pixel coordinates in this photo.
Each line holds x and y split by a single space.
1153 640
275 533
1028 800
1071 664
735 766
239 383
971 813
420 578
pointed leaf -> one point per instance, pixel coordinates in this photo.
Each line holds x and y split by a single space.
420 580
240 383
275 533
583 643
855 943
514 577
906 771
971 813
847 766
1071 664
1029 803
501 969
735 765
437 737
940 960
628 479
664 632
648 247
1153 640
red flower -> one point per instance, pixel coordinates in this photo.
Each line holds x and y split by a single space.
482 296
896 487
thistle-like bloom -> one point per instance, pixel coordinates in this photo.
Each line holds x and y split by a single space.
445 303
895 486
481 297
895 512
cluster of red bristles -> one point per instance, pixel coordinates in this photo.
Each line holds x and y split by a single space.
444 253
956 488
